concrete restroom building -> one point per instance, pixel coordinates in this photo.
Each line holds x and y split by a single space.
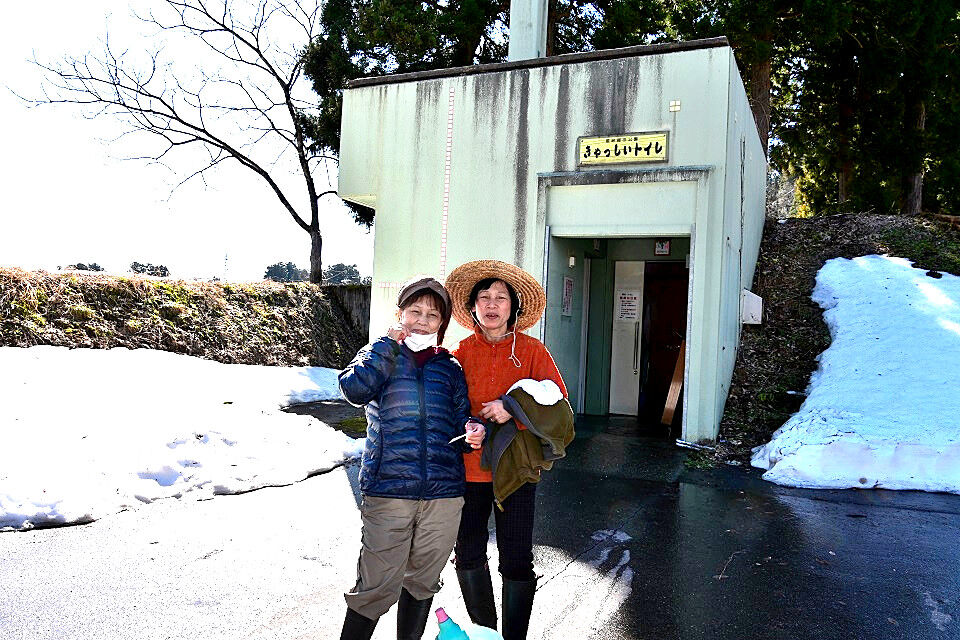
629 181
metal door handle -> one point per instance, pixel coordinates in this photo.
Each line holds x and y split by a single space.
636 345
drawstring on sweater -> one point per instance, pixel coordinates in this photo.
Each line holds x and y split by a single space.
513 356
513 347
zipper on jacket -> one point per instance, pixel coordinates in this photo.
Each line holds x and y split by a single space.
423 431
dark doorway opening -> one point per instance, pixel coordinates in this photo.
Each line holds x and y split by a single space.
664 329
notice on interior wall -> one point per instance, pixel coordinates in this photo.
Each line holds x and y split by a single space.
566 308
627 307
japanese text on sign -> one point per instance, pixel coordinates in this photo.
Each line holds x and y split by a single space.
623 149
566 307
627 305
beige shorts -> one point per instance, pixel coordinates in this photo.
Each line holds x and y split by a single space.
405 543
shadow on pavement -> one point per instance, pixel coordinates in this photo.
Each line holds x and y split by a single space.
726 555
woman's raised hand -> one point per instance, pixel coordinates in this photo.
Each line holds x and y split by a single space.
494 410
475 433
397 333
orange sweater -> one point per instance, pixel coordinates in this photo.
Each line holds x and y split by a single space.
490 372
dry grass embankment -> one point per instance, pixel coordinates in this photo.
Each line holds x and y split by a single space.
263 323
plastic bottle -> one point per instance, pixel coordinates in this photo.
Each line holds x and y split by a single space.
450 630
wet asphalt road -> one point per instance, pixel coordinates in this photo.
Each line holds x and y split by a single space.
631 545
725 555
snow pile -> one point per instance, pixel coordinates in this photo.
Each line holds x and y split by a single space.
883 408
85 433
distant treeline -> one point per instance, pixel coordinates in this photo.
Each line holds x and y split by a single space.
338 273
159 271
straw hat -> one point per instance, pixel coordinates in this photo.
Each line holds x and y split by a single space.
461 281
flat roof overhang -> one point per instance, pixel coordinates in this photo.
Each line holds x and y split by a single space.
568 58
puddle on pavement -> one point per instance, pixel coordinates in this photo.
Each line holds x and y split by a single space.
339 414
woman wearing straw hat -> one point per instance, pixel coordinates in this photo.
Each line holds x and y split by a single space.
498 301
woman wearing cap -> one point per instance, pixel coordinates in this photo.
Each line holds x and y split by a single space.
498 301
411 473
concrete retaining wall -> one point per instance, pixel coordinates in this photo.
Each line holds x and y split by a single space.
354 301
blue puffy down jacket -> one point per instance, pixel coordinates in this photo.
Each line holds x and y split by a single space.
412 413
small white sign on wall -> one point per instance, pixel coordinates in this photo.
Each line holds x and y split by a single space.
751 307
627 305
566 308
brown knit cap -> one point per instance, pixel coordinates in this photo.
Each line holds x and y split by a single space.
461 281
423 283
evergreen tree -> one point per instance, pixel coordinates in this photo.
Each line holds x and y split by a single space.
341 274
375 37
942 185
85 266
927 34
867 112
288 272
159 270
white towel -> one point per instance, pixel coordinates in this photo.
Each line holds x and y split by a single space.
545 392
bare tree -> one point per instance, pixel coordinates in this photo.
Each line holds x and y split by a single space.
239 106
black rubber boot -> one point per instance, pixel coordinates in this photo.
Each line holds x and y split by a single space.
357 627
477 592
412 616
517 604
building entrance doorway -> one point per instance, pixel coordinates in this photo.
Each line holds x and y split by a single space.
630 329
616 319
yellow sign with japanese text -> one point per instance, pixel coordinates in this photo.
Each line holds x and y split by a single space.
626 148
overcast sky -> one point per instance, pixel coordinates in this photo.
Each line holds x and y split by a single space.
69 196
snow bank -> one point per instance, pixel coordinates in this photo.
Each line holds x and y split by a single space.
883 407
84 433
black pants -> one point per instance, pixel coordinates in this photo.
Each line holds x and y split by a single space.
514 530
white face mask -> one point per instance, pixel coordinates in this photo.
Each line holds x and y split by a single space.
420 341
